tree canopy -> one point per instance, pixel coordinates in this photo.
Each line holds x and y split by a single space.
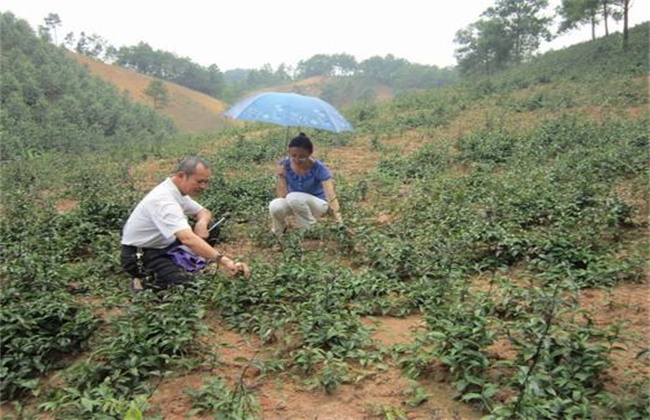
508 34
167 66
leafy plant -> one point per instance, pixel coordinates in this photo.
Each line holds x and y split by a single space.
36 337
222 402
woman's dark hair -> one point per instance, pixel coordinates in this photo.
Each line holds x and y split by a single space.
302 141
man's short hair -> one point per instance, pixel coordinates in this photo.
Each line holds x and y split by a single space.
189 165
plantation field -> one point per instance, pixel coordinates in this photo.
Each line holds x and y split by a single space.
494 266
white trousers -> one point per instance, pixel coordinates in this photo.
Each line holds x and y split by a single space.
305 208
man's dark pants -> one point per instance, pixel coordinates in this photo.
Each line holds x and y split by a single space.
155 267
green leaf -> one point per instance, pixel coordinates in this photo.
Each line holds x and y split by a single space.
133 413
471 396
88 404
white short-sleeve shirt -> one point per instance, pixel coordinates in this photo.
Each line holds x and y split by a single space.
156 219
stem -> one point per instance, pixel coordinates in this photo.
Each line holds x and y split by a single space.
548 320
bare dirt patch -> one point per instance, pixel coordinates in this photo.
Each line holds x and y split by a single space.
625 306
286 396
66 206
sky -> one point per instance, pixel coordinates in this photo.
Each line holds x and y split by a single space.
252 33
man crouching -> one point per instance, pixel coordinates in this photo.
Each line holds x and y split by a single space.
159 247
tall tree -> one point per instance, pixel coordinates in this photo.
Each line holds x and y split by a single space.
52 21
524 22
574 13
485 47
509 33
624 5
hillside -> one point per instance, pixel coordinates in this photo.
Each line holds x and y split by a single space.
317 85
191 111
195 112
493 265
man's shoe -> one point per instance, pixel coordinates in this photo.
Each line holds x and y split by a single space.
136 285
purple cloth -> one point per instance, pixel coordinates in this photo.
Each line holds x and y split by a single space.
186 259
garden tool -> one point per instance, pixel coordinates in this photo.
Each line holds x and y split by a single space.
215 229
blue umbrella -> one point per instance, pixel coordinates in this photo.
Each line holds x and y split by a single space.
290 110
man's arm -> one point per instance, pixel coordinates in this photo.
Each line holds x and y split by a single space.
200 247
201 225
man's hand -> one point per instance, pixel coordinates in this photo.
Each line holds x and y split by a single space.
235 268
242 270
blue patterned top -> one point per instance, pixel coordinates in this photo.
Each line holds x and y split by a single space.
311 182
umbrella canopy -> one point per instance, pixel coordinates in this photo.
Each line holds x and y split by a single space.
290 110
